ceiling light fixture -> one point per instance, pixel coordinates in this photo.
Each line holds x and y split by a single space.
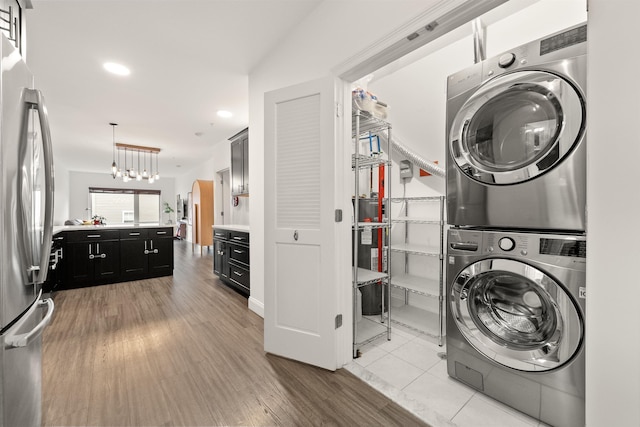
114 166
224 113
130 173
117 69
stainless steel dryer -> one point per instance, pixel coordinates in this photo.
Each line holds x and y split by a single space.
516 137
515 320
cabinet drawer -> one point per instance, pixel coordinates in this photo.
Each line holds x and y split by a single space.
239 253
239 237
239 275
160 232
90 235
135 233
220 234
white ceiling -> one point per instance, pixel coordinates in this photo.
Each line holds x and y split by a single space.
188 59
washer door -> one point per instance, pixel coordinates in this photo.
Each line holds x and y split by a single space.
516 315
516 127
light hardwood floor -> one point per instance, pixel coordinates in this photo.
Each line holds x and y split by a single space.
186 350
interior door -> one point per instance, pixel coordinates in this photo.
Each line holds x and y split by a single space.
301 290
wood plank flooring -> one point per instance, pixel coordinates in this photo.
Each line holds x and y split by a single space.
185 350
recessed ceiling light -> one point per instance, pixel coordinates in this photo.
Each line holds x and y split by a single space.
118 69
224 113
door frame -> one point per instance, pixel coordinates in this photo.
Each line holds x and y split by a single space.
222 197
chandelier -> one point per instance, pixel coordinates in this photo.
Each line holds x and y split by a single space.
130 173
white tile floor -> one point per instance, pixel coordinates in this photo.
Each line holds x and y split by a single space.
409 371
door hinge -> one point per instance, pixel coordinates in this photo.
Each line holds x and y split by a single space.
338 215
338 110
338 321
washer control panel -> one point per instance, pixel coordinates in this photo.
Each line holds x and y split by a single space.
506 60
506 244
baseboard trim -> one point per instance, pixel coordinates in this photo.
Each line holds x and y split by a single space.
256 306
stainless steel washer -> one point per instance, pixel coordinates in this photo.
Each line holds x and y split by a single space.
516 138
515 320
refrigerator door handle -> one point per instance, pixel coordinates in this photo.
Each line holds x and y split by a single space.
33 99
23 340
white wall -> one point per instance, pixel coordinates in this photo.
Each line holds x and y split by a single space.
78 191
613 318
217 160
61 195
184 182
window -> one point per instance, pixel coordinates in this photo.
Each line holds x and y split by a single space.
124 206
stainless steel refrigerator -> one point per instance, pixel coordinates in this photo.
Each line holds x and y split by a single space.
26 217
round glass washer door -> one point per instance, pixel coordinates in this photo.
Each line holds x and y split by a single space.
516 315
516 127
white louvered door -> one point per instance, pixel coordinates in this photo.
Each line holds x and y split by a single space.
300 285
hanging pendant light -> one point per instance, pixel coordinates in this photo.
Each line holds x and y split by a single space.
138 174
132 171
129 171
145 174
114 166
151 178
157 175
125 175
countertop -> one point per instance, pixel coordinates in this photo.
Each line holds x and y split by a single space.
232 227
61 228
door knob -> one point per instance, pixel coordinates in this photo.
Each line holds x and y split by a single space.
295 235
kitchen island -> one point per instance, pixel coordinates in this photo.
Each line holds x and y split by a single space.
102 254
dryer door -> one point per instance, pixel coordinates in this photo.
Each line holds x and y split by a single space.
516 127
516 315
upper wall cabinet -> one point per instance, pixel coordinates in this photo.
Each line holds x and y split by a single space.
240 163
12 21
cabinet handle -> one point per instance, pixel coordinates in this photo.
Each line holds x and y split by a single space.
161 232
93 236
238 238
134 234
237 274
238 252
103 256
146 251
90 254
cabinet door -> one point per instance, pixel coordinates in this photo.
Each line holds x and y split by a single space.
217 256
133 260
161 256
224 261
78 266
245 164
107 261
236 167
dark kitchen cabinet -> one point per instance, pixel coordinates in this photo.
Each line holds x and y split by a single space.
91 258
221 253
146 252
240 163
104 256
231 258
160 256
133 262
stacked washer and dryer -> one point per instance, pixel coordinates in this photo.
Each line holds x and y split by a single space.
516 252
